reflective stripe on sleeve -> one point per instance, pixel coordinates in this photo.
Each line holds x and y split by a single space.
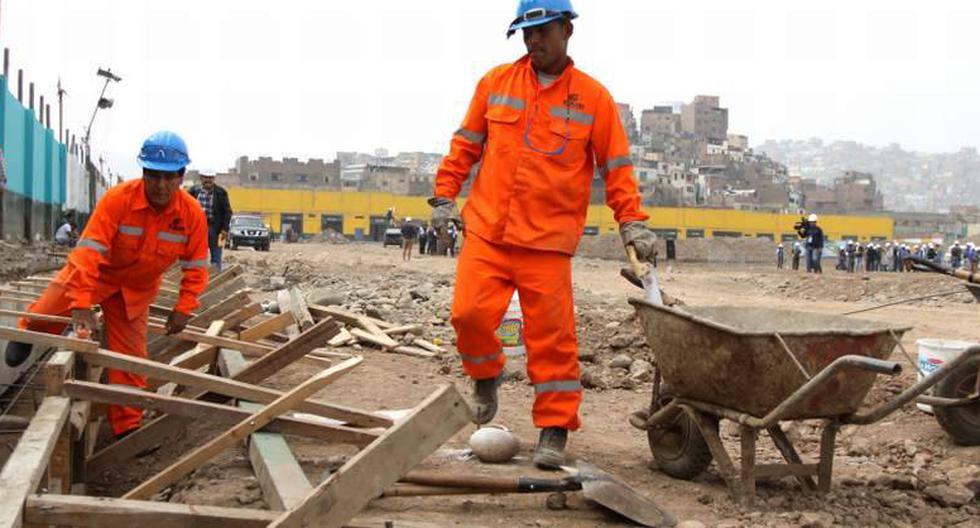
558 386
89 243
506 100
191 264
472 137
477 360
615 163
562 112
171 237
131 230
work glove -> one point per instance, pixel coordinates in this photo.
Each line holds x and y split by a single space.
638 235
176 322
444 212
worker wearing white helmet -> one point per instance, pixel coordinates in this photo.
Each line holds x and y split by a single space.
813 235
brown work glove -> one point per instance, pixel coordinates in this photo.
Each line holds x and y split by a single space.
444 212
641 238
86 323
176 323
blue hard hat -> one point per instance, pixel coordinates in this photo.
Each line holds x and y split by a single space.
164 151
532 13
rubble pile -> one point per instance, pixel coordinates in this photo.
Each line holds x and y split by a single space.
876 288
20 260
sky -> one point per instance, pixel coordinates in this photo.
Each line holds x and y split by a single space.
310 78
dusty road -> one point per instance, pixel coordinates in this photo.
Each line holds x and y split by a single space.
896 473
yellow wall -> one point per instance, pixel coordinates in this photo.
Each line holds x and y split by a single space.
357 209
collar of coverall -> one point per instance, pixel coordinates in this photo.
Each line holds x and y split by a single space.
140 202
525 62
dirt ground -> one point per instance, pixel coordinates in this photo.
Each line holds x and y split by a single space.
903 471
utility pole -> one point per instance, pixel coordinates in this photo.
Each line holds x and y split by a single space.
61 112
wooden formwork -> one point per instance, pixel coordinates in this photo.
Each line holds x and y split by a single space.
213 371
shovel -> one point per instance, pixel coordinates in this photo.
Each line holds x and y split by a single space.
595 484
648 277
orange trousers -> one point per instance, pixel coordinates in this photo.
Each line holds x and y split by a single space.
123 335
486 277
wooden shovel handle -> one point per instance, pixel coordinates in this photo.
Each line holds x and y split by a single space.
639 268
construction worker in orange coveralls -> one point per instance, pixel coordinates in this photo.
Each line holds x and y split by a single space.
539 127
138 230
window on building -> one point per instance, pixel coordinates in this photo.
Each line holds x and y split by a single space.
275 176
302 178
727 234
253 177
695 233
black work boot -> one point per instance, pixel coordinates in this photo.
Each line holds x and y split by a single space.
17 353
485 400
550 453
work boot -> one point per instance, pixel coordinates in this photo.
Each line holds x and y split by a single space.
485 400
17 353
550 453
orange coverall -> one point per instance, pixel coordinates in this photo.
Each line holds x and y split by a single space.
538 149
119 264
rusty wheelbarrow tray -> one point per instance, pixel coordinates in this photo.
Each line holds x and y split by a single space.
759 367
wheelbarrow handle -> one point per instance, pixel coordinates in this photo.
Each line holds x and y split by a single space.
881 366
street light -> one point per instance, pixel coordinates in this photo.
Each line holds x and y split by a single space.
103 103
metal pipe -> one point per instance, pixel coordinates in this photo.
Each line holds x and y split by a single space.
665 413
914 391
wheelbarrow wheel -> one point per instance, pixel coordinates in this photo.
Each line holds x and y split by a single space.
961 423
679 449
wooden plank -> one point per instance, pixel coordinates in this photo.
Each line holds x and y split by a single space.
241 315
404 329
104 512
253 423
283 483
58 368
206 382
274 324
345 316
25 468
223 291
365 476
218 341
48 340
301 311
37 317
162 428
220 310
428 345
380 340
203 354
222 414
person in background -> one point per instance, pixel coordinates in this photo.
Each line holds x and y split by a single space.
842 257
217 209
409 233
66 235
813 235
973 257
797 251
780 256
422 239
956 255
453 237
433 241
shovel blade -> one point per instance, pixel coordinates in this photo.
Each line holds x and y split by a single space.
975 290
620 498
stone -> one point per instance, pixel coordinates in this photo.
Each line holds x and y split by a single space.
950 496
966 476
620 341
556 501
592 378
421 294
641 370
690 524
621 361
816 520
325 297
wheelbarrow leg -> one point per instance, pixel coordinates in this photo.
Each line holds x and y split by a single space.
825 469
748 436
786 448
710 433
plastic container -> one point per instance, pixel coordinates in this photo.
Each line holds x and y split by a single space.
511 330
933 353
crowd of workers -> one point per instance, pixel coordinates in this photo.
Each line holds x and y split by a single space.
855 257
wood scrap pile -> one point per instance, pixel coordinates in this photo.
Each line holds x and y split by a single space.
358 329
213 372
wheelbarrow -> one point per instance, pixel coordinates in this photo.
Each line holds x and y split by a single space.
760 368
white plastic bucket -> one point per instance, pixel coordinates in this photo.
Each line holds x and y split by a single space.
933 353
511 330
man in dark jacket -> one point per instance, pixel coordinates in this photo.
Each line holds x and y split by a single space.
813 235
217 208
